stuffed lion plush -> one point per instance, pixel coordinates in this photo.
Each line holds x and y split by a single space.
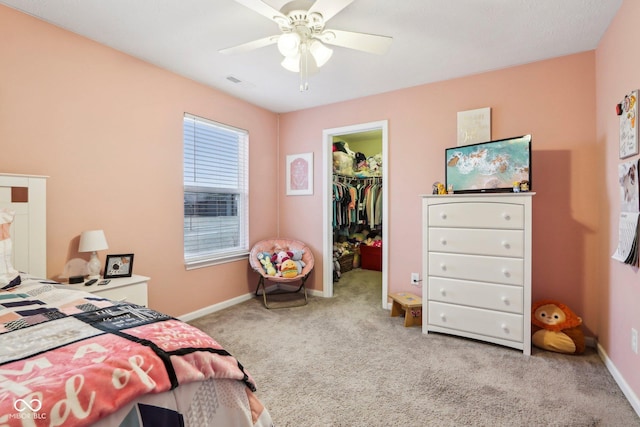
556 328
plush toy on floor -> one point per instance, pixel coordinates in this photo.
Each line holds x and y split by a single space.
556 328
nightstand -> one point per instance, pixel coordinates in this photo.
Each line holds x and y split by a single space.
123 289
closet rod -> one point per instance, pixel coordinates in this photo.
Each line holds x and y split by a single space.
342 177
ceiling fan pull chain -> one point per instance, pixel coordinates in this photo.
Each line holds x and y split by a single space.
304 69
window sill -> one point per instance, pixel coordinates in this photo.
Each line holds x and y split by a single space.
192 265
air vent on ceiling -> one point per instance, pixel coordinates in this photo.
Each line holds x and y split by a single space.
239 82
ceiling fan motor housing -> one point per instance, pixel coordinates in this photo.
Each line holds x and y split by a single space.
303 23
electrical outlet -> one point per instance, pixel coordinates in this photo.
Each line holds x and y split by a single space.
415 279
634 340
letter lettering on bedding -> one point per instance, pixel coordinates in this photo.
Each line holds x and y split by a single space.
91 348
120 377
19 389
61 409
41 362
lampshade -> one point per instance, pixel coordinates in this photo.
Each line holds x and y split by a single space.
93 240
289 43
291 63
320 53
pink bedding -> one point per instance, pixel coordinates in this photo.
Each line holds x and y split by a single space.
70 358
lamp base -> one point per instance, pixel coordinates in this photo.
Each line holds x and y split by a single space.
93 267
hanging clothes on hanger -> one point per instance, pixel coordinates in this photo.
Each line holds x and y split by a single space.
373 202
356 202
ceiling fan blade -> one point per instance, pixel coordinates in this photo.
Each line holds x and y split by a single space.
256 44
370 43
264 10
329 8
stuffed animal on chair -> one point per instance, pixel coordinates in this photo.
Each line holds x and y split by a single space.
278 258
297 258
265 260
289 269
556 328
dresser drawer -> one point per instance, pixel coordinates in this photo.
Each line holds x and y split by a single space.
134 293
509 243
476 294
479 268
477 215
505 326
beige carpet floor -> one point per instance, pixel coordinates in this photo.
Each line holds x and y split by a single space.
344 361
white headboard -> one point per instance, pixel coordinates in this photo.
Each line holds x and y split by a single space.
26 195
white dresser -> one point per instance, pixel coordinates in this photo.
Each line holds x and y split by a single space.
124 289
477 267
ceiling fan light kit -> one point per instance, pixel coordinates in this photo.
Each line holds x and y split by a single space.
303 38
320 53
289 44
291 63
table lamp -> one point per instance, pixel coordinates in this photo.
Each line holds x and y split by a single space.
93 241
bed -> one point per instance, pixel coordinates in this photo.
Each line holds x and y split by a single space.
72 358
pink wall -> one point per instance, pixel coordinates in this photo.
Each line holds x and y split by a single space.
553 100
617 73
107 129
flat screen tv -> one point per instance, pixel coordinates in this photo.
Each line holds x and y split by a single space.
489 167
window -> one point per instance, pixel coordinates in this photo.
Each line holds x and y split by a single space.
216 190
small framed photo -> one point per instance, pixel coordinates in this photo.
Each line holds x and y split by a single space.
118 266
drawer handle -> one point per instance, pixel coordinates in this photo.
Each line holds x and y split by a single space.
443 267
506 272
505 328
443 215
506 216
443 317
506 245
443 292
443 241
505 300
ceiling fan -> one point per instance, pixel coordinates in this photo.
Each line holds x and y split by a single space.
303 37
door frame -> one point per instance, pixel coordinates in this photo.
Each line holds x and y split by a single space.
327 216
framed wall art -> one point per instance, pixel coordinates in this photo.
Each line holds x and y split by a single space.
474 126
299 174
120 265
628 112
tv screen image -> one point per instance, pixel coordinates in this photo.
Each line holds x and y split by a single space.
491 166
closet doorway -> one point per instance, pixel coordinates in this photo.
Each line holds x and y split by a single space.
328 136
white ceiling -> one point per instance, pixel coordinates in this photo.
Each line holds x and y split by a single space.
433 40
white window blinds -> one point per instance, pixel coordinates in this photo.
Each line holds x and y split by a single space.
216 190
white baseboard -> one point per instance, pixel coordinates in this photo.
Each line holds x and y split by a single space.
215 307
629 394
234 301
315 293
